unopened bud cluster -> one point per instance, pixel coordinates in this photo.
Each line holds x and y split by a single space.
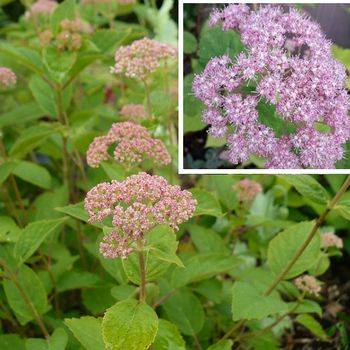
308 284
136 205
133 145
247 190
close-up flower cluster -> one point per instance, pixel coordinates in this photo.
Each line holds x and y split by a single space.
133 144
136 205
142 57
286 63
7 78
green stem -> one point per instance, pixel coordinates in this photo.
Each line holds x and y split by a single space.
233 329
26 299
148 100
311 235
142 267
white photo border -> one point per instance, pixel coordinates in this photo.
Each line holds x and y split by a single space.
181 169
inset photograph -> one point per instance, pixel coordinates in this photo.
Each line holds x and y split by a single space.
266 86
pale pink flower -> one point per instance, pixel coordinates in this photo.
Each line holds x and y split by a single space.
141 58
7 78
41 8
247 190
136 112
133 145
330 239
136 205
308 284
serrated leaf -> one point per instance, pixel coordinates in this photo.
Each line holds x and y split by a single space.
32 236
33 173
284 246
207 203
88 331
35 291
185 310
307 186
249 303
129 324
168 337
203 266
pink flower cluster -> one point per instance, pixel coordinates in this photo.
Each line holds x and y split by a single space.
41 8
308 284
136 205
7 78
141 58
330 239
289 61
134 144
247 190
133 111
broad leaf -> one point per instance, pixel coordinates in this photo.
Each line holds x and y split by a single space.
129 324
312 325
168 337
285 245
33 173
207 203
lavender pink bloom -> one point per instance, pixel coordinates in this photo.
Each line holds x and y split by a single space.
132 144
136 205
289 60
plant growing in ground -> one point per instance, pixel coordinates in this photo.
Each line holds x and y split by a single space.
285 66
128 255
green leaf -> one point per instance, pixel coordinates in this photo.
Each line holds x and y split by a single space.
222 345
163 244
312 325
284 246
11 341
21 114
307 186
58 340
343 208
249 303
88 331
24 56
34 290
43 94
186 311
207 240
207 203
114 171
9 231
214 42
65 10
129 324
168 337
306 306
33 173
32 236
77 211
190 43
32 138
6 169
203 266
77 280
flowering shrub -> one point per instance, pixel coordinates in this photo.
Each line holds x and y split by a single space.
286 66
104 246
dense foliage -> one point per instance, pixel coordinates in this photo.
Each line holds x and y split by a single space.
104 246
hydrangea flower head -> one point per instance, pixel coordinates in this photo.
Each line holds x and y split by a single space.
308 284
136 205
133 144
288 60
247 190
7 78
141 58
